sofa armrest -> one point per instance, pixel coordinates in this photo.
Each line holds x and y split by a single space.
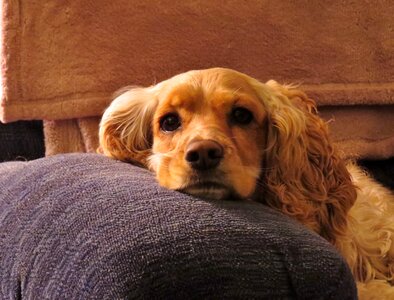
83 226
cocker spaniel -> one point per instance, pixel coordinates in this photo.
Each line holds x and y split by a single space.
218 133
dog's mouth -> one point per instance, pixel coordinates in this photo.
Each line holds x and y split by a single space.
208 190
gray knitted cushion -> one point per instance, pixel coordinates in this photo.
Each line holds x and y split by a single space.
82 226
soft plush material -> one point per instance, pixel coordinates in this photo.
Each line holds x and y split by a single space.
83 226
62 60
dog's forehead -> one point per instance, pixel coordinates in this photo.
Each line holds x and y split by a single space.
213 87
219 79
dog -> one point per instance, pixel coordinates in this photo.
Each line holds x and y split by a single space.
218 133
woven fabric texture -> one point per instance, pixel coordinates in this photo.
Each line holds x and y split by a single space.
82 226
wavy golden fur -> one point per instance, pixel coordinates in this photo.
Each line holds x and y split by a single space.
218 133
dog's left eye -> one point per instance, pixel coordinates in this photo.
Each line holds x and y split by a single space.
170 122
240 115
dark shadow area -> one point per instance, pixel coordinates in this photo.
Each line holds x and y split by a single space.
381 170
23 140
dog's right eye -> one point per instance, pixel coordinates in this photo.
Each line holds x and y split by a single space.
170 122
241 116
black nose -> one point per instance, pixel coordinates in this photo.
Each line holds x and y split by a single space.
204 154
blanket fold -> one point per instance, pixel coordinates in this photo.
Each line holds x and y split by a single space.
74 135
64 59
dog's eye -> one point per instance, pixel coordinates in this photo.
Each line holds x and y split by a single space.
170 122
240 115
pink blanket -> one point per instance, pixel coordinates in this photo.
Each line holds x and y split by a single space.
62 60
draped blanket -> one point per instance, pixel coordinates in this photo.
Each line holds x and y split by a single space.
62 60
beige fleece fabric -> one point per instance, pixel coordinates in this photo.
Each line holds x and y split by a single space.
62 60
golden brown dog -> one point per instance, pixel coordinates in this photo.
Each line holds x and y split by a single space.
218 133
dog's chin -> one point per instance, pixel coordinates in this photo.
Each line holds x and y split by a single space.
212 191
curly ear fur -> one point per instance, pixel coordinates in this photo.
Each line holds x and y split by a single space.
125 128
303 176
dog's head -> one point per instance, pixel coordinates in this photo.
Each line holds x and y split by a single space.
218 133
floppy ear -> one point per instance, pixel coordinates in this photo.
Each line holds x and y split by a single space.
303 176
125 129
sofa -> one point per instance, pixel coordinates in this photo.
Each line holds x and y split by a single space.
84 226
